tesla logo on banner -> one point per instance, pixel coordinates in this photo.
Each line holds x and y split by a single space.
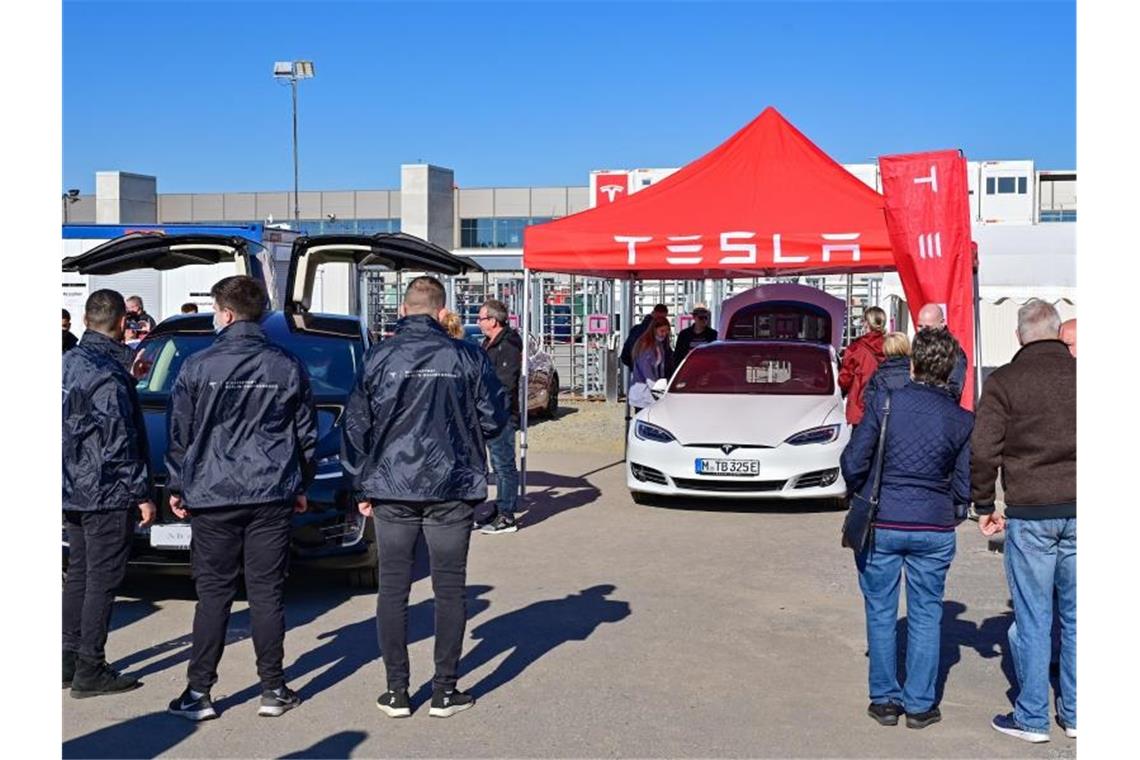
930 245
610 187
740 242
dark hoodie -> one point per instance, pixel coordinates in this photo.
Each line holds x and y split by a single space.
505 352
860 361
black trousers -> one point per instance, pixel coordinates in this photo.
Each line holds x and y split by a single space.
447 529
224 541
99 545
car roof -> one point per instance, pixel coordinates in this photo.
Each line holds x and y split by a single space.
275 323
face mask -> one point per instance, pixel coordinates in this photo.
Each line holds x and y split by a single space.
218 325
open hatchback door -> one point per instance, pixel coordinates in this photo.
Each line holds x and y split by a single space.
396 251
161 252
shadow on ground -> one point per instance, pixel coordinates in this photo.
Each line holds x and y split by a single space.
535 420
755 505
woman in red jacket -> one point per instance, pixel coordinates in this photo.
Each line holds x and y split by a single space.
860 361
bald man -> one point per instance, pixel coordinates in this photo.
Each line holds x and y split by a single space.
931 316
1069 335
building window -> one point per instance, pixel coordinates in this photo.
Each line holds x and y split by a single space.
1007 185
348 226
1022 184
1059 215
989 185
496 232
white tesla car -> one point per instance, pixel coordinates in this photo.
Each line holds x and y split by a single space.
743 419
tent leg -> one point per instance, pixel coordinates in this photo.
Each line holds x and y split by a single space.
628 325
524 390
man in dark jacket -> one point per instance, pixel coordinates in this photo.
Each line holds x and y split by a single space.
1027 429
137 318
105 476
415 434
695 334
69 340
242 434
635 332
504 347
931 316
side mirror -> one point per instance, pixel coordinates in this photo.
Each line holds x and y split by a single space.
659 387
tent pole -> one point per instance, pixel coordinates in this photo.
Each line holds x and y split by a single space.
524 381
977 340
628 325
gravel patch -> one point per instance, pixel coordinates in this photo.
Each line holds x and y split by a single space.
581 426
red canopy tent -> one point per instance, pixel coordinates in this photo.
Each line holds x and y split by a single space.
766 202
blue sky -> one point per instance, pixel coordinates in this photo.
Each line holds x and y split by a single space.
540 93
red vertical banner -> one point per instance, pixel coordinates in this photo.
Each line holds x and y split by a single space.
928 219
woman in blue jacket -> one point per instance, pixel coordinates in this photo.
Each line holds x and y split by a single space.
924 494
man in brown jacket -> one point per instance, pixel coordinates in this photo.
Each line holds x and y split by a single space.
1026 426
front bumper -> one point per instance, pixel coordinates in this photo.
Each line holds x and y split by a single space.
786 472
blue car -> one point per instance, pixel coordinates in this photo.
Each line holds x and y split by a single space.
332 533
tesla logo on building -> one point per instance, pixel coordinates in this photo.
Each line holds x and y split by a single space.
728 448
610 187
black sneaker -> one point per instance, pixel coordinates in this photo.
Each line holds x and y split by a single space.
923 719
94 679
395 703
193 709
1010 727
501 524
277 701
69 662
482 522
444 704
887 713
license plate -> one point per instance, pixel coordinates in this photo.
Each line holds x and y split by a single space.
728 467
170 536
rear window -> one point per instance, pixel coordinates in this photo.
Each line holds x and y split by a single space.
778 370
331 362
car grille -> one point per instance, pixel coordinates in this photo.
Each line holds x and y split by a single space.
729 485
818 479
648 474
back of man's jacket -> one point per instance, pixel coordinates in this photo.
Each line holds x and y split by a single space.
419 417
242 425
1027 428
104 436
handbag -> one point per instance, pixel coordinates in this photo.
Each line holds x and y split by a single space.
858 525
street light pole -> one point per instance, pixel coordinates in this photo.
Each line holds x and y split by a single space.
71 196
292 72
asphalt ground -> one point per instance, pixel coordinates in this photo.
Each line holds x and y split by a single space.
601 629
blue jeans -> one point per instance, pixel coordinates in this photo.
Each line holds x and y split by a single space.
926 555
1040 557
502 449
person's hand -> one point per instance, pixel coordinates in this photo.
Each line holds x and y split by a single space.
301 503
365 508
991 524
176 507
148 512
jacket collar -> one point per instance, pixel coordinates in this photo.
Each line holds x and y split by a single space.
97 341
1042 347
502 336
242 329
419 323
944 390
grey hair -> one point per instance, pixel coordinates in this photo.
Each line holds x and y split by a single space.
497 310
1037 320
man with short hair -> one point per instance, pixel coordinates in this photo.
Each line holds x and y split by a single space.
242 435
635 332
1069 335
415 434
106 475
931 315
695 334
504 348
1027 428
137 318
69 340
189 308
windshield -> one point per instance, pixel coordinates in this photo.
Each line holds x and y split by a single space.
331 362
778 370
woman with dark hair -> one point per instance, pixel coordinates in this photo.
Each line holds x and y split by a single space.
924 493
652 361
860 361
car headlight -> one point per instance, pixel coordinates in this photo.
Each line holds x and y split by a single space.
647 432
822 434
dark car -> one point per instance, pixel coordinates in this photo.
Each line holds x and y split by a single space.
542 386
332 533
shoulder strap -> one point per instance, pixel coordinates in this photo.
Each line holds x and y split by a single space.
880 451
